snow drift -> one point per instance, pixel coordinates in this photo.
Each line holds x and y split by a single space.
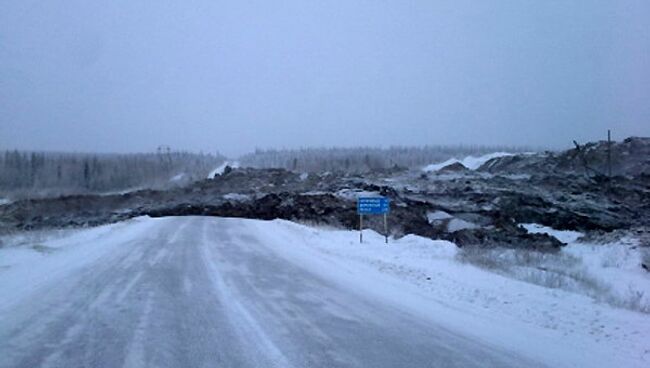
470 162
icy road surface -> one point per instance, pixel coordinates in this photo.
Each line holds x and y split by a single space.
208 292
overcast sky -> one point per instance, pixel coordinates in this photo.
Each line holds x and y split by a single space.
129 75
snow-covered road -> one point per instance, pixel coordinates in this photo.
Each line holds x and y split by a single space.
209 292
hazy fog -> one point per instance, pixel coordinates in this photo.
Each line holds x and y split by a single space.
129 75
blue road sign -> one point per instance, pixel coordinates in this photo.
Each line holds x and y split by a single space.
373 205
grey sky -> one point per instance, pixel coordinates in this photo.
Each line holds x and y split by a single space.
128 75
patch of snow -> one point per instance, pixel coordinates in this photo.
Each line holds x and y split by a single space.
236 197
438 166
178 177
220 169
120 192
470 162
315 193
354 194
438 216
304 176
565 236
457 224
4 201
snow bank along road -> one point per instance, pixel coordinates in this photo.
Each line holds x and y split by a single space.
210 292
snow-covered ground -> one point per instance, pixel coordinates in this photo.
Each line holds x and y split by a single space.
470 162
426 279
559 327
611 272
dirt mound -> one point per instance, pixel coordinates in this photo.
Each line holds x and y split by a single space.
455 167
631 157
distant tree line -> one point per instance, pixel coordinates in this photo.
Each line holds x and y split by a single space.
362 159
26 174
51 173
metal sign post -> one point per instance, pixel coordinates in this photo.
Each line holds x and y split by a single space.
360 228
386 227
373 206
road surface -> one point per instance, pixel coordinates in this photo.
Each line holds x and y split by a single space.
206 292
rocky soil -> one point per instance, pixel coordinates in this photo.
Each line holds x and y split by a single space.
564 190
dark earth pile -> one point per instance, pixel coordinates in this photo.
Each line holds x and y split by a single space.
482 207
630 158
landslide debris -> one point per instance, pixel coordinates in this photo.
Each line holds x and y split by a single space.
471 208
